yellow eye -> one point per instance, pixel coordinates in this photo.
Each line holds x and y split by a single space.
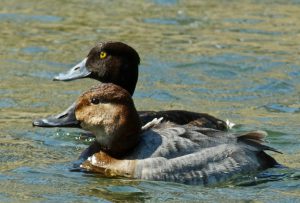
103 54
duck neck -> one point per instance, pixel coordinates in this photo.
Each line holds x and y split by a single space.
128 79
122 146
129 86
122 136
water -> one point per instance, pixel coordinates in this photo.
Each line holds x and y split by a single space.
236 60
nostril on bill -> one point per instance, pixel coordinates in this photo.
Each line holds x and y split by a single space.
62 116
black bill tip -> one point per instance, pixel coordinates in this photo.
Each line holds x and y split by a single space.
64 119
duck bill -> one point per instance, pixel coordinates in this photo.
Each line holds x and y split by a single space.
64 119
76 72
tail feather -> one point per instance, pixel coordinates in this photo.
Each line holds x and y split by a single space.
257 136
266 161
256 139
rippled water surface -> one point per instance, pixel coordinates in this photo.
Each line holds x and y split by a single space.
237 60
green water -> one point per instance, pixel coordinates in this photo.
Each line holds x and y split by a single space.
237 60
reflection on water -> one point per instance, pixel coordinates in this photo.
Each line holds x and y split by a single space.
235 60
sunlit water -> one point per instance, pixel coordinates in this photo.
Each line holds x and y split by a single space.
236 60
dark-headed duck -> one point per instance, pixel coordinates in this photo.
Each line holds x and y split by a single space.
117 63
162 150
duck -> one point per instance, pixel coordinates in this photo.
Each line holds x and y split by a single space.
117 63
163 150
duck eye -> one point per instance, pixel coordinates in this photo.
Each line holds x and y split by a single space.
103 54
95 101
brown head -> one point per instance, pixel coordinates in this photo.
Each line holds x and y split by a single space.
109 113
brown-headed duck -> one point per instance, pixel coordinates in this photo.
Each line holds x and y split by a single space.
162 150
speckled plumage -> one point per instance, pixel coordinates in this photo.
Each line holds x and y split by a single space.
167 151
186 154
193 155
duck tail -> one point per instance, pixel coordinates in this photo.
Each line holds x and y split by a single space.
266 161
255 140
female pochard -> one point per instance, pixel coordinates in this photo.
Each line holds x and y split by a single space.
117 63
162 150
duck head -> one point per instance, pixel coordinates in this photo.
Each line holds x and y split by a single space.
109 113
107 62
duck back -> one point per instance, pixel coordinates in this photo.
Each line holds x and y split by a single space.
192 155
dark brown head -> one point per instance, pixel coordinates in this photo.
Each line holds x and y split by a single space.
108 62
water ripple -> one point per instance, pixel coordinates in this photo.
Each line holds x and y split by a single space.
17 17
7 103
281 108
165 2
34 50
